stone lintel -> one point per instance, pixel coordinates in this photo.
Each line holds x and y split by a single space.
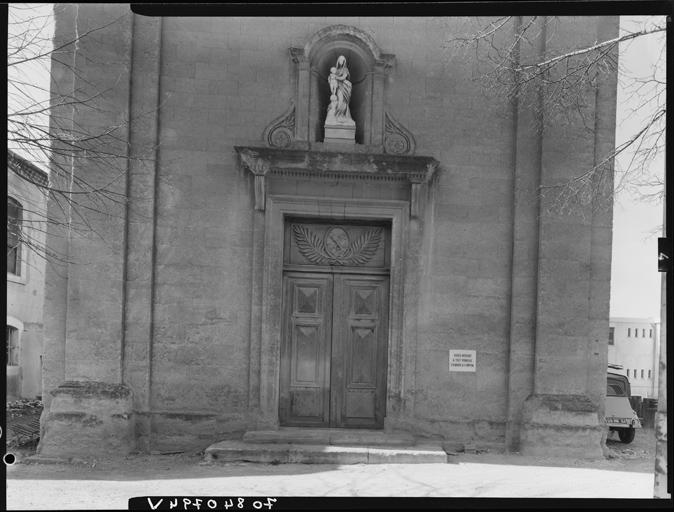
330 164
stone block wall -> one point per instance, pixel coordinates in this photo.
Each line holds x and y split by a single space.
170 312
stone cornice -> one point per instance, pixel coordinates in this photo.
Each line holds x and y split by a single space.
263 161
27 170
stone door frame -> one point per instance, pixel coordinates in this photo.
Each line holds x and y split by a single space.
266 332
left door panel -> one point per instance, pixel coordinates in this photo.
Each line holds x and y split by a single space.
305 350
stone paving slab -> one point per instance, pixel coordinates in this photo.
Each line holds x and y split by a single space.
233 451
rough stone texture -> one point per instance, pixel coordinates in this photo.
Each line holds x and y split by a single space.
560 426
661 483
88 418
181 312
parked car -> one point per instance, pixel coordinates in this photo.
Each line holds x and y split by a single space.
620 417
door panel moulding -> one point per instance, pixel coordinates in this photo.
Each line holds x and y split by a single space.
268 335
328 318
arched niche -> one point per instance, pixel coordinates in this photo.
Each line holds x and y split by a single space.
367 67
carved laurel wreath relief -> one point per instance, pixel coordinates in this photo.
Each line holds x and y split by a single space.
336 247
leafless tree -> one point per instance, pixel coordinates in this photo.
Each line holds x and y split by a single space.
560 87
43 129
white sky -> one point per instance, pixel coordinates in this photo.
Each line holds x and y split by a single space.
635 281
30 27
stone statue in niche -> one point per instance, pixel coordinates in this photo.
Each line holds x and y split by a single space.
339 126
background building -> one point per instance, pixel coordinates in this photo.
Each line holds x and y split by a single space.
270 275
26 209
634 343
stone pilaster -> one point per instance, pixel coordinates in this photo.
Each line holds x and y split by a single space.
140 246
564 415
527 169
303 92
93 411
381 67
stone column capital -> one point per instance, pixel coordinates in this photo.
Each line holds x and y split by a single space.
384 62
253 161
299 57
259 167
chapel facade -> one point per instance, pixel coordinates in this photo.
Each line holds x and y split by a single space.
327 227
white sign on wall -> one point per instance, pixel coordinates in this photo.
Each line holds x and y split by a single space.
462 360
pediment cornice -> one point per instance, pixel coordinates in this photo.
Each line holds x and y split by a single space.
264 161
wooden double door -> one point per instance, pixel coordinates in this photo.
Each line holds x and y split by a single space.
334 350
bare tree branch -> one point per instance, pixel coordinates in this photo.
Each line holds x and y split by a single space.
43 130
565 79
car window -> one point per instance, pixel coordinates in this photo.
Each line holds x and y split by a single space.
615 388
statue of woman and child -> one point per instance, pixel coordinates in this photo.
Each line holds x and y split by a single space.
340 94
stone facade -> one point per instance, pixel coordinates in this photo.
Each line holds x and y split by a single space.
26 188
187 313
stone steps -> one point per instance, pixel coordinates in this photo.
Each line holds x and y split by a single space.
325 446
289 453
334 437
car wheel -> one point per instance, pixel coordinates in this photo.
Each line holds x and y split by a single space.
627 434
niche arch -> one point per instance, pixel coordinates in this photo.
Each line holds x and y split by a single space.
368 67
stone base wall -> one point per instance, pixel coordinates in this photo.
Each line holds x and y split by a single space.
190 431
88 418
481 432
561 426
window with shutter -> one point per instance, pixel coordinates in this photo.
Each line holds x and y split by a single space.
14 218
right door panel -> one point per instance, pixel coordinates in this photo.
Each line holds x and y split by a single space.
359 351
